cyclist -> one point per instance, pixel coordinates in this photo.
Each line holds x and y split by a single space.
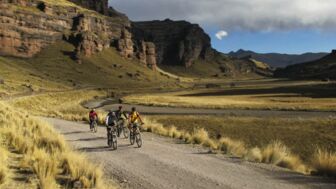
93 116
111 119
111 126
134 118
122 117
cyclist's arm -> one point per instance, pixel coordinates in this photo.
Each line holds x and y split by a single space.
140 118
106 120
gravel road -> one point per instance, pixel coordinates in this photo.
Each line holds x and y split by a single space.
166 163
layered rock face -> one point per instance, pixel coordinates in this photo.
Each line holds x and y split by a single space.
100 6
177 42
24 33
28 26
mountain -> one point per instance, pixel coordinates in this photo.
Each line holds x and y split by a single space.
29 26
277 60
324 68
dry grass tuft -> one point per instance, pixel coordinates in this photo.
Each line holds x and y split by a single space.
89 175
212 144
43 150
199 136
324 163
254 155
274 153
45 167
278 154
4 172
233 147
174 133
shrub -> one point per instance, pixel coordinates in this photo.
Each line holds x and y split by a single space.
254 155
324 163
233 147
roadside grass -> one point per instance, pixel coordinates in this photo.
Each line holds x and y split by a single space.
271 152
324 163
65 105
44 151
302 135
4 172
306 97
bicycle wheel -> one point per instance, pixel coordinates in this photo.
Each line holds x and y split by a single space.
95 127
109 139
138 139
126 132
132 138
114 142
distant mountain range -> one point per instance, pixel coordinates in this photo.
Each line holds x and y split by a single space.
277 60
324 68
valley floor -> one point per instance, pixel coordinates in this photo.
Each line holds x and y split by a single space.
168 163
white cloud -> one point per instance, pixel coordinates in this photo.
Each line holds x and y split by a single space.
221 34
254 15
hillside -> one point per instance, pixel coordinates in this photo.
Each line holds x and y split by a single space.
278 60
29 27
54 70
324 68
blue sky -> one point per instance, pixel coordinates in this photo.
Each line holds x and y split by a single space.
292 42
284 26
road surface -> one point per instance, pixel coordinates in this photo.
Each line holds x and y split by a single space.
110 104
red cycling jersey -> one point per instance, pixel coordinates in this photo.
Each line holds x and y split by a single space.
93 115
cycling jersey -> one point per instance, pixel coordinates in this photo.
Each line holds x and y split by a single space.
93 115
134 117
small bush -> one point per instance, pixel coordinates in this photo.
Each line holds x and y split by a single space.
324 163
233 147
4 172
212 144
274 153
89 175
254 155
199 136
45 167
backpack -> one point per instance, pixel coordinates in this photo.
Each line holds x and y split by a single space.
111 120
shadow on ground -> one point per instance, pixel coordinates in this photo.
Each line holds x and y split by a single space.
313 91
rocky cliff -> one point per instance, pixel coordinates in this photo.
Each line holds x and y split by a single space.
28 26
177 42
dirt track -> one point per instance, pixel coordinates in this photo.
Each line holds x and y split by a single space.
166 163
154 110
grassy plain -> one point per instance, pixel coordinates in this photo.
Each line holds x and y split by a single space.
303 136
284 96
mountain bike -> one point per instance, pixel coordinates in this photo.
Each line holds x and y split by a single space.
122 128
112 140
135 135
94 126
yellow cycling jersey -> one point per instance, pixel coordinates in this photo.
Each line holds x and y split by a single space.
134 117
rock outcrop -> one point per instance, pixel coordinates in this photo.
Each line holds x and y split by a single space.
101 6
28 26
177 42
